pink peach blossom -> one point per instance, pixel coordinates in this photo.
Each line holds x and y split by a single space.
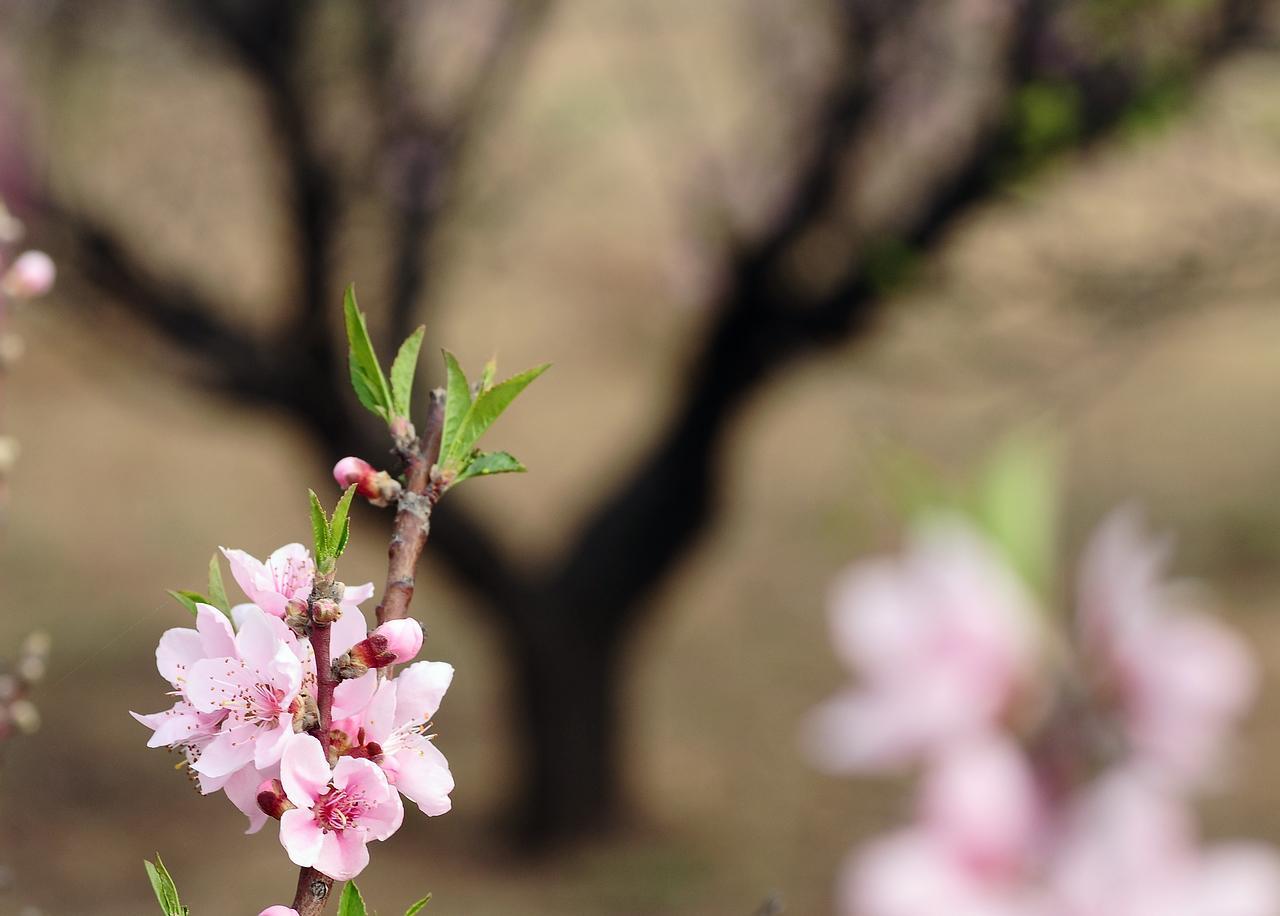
257 685
288 575
338 811
393 731
943 639
279 911
31 275
1181 679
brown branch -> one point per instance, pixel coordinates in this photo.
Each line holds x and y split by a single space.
413 514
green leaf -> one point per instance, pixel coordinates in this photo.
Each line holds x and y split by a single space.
1017 505
319 527
188 599
412 911
487 375
402 372
484 410
166 891
340 524
366 373
351 903
456 404
483 464
217 590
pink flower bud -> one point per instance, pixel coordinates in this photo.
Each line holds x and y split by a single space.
358 471
379 487
394 642
404 638
272 799
31 275
279 911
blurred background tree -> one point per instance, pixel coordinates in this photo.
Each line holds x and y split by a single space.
864 133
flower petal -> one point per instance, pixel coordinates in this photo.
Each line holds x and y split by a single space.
304 772
301 837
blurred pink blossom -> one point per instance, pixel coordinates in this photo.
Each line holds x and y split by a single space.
1182 680
30 276
943 640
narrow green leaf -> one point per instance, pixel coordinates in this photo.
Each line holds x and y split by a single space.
340 524
165 890
402 371
217 590
487 408
188 599
319 528
351 903
413 910
366 372
483 464
456 404
488 374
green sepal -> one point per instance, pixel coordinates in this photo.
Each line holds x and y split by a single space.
414 908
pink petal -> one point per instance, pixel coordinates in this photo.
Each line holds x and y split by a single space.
343 855
242 790
351 697
350 628
423 775
179 649
1239 879
279 911
254 579
357 594
420 688
216 635
226 753
302 837
380 715
269 745
304 772
404 638
211 682
257 642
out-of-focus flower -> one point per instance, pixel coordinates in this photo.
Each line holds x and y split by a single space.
31 275
943 639
394 732
338 811
1181 679
1130 849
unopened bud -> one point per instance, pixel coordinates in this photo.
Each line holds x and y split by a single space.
306 714
272 800
325 610
31 275
296 616
379 487
394 642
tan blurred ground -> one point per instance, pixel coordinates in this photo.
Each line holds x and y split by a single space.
1130 299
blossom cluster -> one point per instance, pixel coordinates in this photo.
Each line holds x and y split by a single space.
245 686
1057 758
